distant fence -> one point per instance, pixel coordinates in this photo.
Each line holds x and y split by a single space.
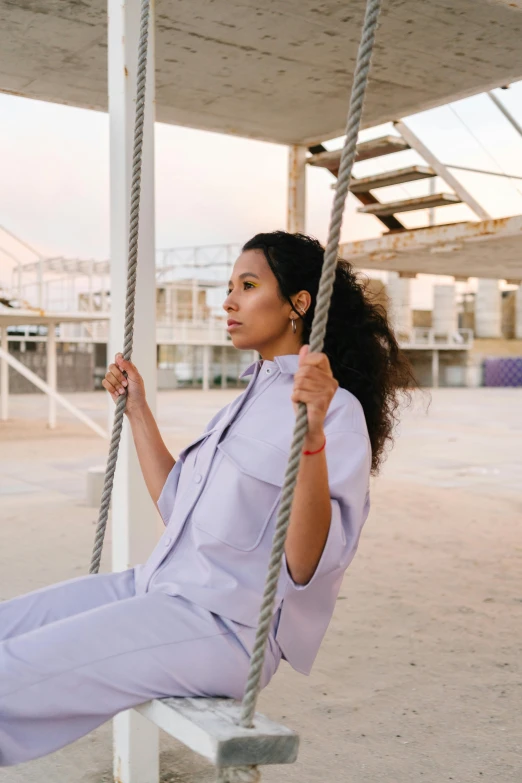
503 372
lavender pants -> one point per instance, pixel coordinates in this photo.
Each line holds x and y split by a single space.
74 654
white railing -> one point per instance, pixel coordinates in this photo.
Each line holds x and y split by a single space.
85 331
212 332
186 332
425 338
7 359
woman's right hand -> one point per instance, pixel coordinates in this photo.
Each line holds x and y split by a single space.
117 384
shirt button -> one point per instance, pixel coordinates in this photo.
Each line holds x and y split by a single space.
268 370
168 541
197 478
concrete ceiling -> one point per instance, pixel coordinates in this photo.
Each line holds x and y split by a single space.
277 71
490 248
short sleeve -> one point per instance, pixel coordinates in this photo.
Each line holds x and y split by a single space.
348 457
168 493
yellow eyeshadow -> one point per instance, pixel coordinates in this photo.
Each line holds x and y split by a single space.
256 285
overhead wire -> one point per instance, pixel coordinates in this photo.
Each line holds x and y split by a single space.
484 148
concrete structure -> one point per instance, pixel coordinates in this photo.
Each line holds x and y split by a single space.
400 312
444 319
462 249
280 72
488 309
296 204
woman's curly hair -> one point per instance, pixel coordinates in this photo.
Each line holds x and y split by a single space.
360 344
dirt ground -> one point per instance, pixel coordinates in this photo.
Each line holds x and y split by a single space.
419 677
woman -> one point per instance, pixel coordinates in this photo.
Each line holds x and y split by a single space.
74 654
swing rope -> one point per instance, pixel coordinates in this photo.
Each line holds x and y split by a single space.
362 69
317 335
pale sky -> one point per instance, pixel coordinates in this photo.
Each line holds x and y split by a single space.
213 189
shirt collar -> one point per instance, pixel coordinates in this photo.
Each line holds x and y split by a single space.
285 364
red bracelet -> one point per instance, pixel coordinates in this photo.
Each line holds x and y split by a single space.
311 453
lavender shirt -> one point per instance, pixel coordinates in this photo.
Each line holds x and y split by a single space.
220 501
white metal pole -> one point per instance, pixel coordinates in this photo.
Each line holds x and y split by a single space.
168 303
4 378
518 313
194 364
194 299
224 367
507 114
51 372
136 741
90 304
431 212
441 170
435 368
40 284
296 205
206 367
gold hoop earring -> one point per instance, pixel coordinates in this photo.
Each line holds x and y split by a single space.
294 325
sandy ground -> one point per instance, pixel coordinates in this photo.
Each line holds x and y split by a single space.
419 677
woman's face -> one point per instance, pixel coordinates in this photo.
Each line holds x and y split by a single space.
258 318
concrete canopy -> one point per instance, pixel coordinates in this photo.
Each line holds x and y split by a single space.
279 71
490 249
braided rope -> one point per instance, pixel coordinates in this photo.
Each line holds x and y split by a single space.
316 345
131 283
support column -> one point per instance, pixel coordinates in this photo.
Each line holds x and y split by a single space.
518 313
400 313
51 372
488 314
206 367
194 299
445 318
40 297
296 211
90 300
431 212
136 747
194 358
435 368
224 367
168 303
4 378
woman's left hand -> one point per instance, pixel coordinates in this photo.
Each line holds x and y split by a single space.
315 385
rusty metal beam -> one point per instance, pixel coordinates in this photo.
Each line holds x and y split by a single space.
489 249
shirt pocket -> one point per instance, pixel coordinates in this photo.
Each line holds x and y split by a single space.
241 492
199 440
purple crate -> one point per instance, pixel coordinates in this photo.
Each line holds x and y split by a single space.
503 372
